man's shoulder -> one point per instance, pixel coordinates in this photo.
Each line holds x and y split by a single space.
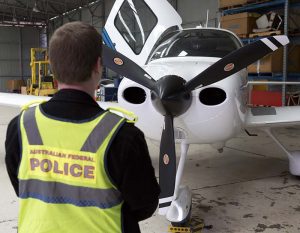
14 122
129 130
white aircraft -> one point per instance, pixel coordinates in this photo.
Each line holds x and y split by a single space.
192 88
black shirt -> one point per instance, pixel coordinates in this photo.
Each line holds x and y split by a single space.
129 163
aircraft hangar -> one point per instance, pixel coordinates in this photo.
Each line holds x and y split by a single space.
218 81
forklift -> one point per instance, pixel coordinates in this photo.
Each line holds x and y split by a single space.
42 82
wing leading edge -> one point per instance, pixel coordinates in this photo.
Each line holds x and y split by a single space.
17 100
273 116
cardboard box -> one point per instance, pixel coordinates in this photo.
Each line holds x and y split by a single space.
261 87
23 90
270 63
294 59
14 85
227 3
273 63
241 24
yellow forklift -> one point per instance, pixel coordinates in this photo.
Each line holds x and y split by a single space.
42 82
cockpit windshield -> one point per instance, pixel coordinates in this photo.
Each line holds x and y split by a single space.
196 42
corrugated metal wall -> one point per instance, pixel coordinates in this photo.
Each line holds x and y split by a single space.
15 44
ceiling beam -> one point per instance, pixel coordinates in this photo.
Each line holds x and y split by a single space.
54 8
22 8
22 4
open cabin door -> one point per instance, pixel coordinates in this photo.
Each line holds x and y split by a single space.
134 26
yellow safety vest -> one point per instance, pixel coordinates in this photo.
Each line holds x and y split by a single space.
64 186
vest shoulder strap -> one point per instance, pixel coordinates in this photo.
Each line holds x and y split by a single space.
130 116
101 131
31 128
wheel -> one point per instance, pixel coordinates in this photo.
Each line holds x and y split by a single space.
185 222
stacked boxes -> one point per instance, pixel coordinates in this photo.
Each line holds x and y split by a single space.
273 63
14 85
229 3
241 24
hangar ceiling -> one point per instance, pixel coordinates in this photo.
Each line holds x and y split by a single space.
37 12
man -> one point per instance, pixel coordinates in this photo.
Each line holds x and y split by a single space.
74 166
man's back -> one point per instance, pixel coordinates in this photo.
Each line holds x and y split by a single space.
128 162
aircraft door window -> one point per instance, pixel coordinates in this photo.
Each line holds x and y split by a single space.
135 21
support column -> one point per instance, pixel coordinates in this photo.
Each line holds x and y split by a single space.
285 51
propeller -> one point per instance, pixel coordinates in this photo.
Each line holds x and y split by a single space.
171 96
167 163
126 67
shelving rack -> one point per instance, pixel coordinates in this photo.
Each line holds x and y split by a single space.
261 7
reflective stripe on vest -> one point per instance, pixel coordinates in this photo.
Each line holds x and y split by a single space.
54 192
95 139
32 131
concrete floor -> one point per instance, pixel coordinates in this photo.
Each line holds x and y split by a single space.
245 189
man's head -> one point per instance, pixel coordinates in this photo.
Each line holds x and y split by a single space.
74 52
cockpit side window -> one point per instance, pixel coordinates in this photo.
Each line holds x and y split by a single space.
135 21
198 43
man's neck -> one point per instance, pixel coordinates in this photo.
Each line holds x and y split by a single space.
85 87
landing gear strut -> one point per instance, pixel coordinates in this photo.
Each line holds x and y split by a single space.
179 212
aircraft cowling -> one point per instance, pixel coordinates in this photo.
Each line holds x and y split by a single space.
150 120
200 123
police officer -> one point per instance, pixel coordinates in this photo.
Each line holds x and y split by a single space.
75 167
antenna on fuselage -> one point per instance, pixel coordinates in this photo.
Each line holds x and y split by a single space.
207 13
219 20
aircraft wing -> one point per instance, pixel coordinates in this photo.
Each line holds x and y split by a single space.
273 116
17 100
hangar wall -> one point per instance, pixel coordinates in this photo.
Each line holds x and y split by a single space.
194 12
15 44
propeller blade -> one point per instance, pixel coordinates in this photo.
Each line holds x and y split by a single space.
126 67
236 61
167 165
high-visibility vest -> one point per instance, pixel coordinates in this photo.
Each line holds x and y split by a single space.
64 186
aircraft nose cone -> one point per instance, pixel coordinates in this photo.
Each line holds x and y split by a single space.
169 96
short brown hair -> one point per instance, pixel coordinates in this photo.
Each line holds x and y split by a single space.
73 52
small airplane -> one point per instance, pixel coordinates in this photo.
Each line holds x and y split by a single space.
187 86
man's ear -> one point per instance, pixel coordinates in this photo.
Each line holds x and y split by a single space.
98 66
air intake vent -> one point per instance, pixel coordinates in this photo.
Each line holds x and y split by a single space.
134 95
212 96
